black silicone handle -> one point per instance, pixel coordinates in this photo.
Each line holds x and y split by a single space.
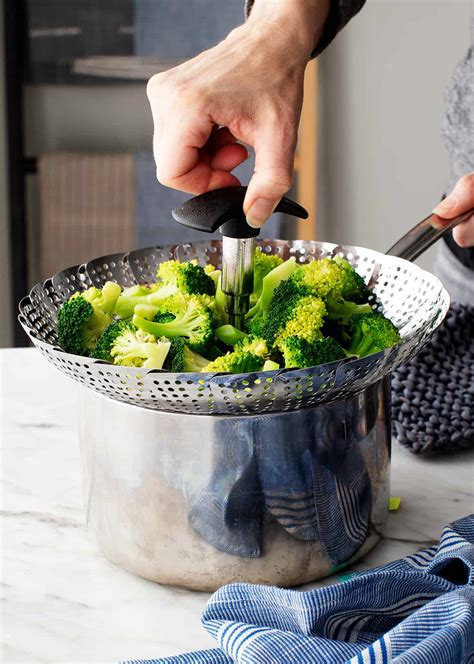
222 208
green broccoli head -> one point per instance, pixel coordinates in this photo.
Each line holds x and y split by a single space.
263 264
104 298
335 276
107 338
80 323
190 278
237 361
371 333
253 344
134 348
300 353
193 321
182 359
256 316
294 311
142 295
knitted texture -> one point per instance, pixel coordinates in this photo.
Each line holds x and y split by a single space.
432 396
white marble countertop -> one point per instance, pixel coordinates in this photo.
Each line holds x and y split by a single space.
64 602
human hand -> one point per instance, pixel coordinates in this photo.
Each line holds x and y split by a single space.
248 88
460 200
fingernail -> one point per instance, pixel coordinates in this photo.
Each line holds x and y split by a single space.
446 205
259 212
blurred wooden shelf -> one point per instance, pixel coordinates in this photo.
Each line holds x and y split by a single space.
125 67
306 154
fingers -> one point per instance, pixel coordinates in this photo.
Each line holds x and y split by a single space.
463 234
460 200
229 157
274 159
177 153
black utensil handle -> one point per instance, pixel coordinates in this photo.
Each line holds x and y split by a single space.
424 234
214 209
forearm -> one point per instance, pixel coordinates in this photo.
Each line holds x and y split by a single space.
325 17
301 21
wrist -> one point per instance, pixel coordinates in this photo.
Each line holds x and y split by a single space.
298 22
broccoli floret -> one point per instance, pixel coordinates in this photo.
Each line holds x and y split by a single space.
229 335
142 295
255 317
263 264
253 344
182 359
134 348
293 311
236 361
190 278
371 333
194 321
107 338
335 276
103 298
80 323
339 308
249 355
299 353
353 286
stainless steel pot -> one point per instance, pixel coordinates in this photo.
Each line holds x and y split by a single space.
273 477
200 500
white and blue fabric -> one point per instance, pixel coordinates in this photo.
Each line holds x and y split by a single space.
417 610
317 489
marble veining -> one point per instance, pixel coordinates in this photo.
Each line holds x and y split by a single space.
63 602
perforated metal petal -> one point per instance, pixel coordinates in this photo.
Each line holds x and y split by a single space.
414 299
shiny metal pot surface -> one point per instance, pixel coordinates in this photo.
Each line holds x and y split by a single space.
200 500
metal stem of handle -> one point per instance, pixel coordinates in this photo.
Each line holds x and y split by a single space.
424 234
237 277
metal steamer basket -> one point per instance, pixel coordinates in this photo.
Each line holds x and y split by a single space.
277 477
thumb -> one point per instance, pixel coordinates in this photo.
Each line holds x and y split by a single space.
273 174
459 200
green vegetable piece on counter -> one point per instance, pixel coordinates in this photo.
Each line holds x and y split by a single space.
394 504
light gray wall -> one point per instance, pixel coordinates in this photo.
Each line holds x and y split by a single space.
382 164
5 321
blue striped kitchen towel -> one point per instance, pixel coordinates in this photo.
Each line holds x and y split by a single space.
417 610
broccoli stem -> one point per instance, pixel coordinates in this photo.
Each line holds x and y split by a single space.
229 335
270 282
343 309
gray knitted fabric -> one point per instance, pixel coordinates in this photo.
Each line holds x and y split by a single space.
340 13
